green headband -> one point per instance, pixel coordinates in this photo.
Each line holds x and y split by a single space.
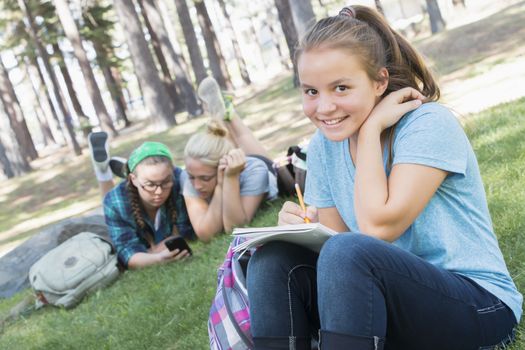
148 149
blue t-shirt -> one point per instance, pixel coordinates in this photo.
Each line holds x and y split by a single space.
454 231
254 180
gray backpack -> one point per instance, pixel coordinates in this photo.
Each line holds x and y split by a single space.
80 265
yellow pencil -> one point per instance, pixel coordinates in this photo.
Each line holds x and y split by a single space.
301 202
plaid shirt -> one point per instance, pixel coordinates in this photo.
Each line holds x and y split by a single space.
124 231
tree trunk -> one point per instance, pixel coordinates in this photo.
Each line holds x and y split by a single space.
191 40
114 90
16 117
156 98
437 23
161 60
215 57
323 6
276 42
30 23
51 115
174 60
379 7
117 78
82 117
5 163
47 135
303 15
258 44
13 162
290 32
236 49
71 31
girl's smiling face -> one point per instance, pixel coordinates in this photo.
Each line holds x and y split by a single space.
338 95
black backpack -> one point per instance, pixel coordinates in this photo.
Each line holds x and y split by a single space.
291 170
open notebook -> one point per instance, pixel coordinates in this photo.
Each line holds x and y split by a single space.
311 236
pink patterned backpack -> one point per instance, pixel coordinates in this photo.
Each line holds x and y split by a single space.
229 321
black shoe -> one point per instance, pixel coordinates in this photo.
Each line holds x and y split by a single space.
119 166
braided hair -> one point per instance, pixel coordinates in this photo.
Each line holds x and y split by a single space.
137 208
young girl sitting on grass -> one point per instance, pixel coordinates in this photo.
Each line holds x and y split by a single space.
228 171
417 264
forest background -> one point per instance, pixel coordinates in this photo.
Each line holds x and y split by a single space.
131 68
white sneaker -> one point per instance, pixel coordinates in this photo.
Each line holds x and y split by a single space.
210 94
99 150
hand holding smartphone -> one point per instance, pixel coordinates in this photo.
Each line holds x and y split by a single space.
178 243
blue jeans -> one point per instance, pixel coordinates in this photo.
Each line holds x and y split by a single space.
363 293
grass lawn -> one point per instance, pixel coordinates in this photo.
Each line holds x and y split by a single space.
166 307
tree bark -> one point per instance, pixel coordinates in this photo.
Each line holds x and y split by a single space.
30 24
236 48
191 40
303 15
437 23
15 115
69 84
379 7
13 162
215 57
47 135
276 42
5 163
174 60
119 87
51 115
71 31
161 60
156 99
114 90
284 12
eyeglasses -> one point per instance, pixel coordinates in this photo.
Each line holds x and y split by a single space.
152 187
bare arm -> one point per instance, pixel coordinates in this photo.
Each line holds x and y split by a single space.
237 210
331 218
162 256
385 208
206 218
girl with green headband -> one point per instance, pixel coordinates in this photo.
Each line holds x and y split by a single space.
148 208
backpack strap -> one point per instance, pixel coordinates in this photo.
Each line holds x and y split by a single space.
227 305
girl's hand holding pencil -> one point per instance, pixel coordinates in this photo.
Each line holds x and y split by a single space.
292 214
301 202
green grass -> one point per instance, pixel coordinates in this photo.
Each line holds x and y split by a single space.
166 307
498 138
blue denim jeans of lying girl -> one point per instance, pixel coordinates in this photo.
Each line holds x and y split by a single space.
363 293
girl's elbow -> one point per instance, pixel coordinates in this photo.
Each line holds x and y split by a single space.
204 239
203 235
379 231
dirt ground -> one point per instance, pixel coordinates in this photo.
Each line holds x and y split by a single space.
480 61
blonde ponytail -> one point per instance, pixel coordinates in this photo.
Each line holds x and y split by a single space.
209 146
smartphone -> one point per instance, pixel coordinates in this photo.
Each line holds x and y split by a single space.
178 243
